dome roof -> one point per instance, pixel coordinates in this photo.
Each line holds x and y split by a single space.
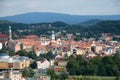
4 55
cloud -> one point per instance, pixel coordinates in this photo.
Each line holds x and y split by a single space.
79 7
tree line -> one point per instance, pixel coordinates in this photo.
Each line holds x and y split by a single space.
98 66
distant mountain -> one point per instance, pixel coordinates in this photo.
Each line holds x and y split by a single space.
38 17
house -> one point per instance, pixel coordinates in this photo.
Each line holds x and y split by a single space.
66 53
58 58
69 36
40 49
91 55
108 50
59 69
27 44
98 48
43 64
62 63
52 62
80 51
3 37
44 78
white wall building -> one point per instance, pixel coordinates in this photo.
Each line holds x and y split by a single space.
43 64
0 46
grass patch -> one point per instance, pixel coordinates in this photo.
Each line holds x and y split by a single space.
92 78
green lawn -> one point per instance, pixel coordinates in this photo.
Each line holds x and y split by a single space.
92 78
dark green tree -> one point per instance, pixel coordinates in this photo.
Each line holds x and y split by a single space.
33 65
25 72
93 49
51 73
22 53
31 73
48 55
28 72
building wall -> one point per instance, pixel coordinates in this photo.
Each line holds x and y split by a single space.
80 52
1 75
4 65
27 63
16 76
62 63
13 75
18 65
17 47
43 65
98 48
52 62
68 53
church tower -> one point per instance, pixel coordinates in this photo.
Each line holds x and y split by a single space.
53 36
10 34
71 49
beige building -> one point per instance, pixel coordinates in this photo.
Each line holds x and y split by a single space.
80 51
18 65
15 62
21 62
62 63
98 48
44 78
13 75
10 75
15 45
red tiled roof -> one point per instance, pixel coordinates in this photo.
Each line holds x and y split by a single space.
31 37
3 35
42 61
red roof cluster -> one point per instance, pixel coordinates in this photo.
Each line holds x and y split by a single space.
3 35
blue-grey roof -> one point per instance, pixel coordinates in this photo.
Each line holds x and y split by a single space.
4 55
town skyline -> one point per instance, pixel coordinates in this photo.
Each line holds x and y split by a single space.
59 39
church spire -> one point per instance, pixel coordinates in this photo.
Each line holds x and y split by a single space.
10 33
53 35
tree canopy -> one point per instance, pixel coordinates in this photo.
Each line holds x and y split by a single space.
106 66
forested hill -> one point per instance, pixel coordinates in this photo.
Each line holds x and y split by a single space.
4 26
107 27
43 28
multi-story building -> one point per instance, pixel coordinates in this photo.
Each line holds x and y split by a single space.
16 62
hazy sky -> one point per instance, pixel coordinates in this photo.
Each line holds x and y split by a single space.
77 7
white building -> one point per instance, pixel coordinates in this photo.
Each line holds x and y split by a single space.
43 64
108 50
0 46
11 75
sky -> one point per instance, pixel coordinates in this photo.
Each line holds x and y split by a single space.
74 7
